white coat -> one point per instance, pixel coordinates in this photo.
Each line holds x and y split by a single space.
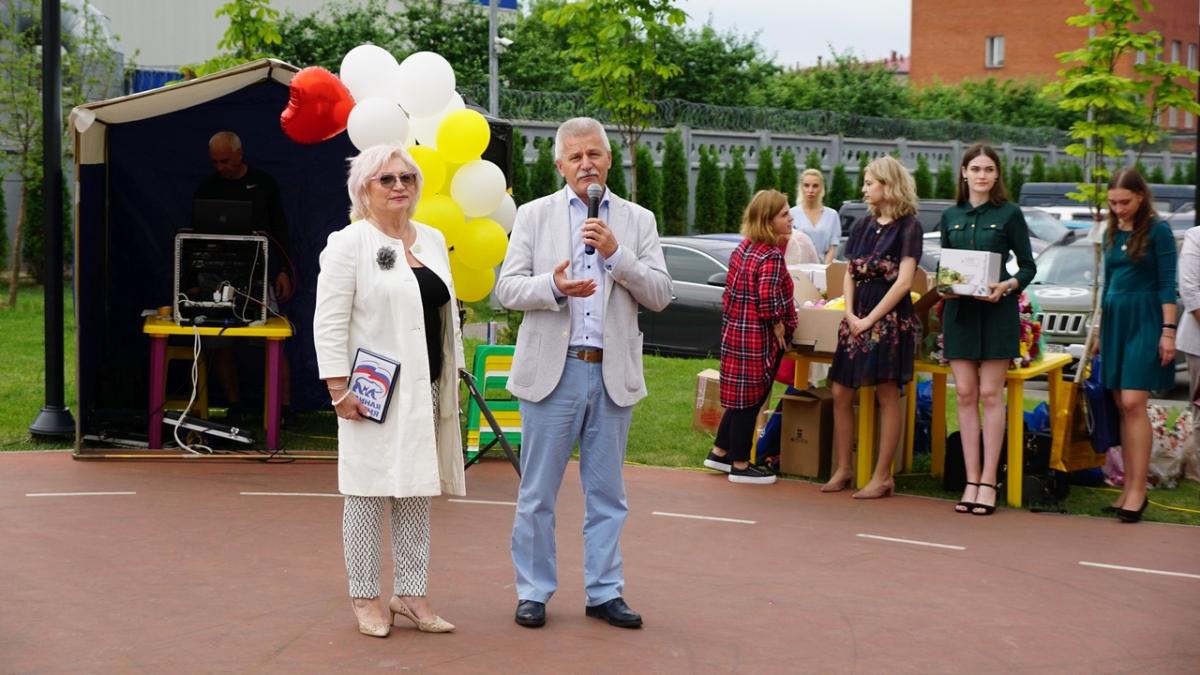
359 304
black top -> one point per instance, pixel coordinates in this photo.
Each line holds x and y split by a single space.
434 294
261 190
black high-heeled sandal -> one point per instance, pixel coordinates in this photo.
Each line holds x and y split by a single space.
967 505
1127 516
987 509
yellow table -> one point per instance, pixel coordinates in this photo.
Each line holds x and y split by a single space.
275 330
1050 365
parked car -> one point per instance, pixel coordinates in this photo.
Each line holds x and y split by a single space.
1046 227
691 324
1053 198
929 213
1182 220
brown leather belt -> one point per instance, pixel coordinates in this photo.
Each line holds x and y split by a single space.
588 355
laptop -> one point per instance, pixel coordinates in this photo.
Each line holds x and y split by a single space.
222 216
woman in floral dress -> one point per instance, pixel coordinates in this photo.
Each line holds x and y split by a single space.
879 335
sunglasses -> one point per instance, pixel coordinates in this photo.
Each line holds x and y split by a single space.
388 180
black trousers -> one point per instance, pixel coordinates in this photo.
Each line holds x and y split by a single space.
735 435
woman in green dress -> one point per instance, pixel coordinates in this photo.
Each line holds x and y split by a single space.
982 335
1137 324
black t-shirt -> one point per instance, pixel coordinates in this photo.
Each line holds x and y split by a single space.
434 294
261 190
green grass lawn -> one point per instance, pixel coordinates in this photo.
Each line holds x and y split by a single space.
661 434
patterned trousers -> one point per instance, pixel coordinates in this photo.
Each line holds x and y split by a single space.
362 519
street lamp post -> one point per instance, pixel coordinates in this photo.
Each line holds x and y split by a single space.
493 62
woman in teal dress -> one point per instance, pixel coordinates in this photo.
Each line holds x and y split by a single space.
1137 324
982 335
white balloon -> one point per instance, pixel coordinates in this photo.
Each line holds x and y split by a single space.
377 120
369 71
425 128
505 214
426 83
478 188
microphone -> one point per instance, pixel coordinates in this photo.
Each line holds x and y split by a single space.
594 191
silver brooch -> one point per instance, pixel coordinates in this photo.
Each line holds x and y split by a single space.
385 257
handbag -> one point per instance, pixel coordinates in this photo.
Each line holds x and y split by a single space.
1103 419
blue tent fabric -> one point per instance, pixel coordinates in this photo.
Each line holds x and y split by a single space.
144 79
134 205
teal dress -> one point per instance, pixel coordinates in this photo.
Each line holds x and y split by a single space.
978 330
1131 325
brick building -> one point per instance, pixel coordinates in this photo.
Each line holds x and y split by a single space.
1016 39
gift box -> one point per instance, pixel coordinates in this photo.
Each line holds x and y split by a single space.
967 272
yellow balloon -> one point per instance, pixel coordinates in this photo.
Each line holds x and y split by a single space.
443 213
463 136
432 166
451 169
482 244
470 285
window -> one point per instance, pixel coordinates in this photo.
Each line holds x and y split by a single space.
1140 58
994 51
1172 117
689 266
1191 62
1176 48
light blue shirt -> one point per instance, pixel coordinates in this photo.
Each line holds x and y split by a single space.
587 314
825 232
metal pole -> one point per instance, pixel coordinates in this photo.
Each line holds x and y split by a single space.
493 62
54 419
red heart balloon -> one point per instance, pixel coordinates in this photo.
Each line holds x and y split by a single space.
318 106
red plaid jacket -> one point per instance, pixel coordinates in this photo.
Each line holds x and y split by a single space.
758 295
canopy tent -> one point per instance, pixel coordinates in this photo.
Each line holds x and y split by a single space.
139 159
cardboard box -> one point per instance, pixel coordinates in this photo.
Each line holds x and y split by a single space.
806 436
967 272
815 273
707 412
818 328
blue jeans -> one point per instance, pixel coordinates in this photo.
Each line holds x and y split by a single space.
580 410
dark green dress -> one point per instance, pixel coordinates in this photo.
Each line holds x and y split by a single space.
1131 323
978 330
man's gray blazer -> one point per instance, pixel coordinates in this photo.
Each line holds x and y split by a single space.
541 240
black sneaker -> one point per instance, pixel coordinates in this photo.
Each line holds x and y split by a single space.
751 475
717 462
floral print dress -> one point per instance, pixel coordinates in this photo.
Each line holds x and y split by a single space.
884 352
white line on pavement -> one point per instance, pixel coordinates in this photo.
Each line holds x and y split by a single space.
1143 570
913 541
288 494
482 501
719 520
75 494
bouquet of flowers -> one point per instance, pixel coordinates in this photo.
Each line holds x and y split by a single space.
1031 344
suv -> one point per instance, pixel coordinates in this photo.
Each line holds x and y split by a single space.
1053 197
929 213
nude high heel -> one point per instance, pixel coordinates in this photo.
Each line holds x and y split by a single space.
883 490
368 627
435 625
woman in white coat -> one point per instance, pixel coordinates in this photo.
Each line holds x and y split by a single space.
385 287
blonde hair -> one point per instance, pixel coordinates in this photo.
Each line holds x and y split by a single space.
899 189
820 179
370 162
756 220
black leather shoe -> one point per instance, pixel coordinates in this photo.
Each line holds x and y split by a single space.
616 612
531 614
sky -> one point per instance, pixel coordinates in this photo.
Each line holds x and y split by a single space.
798 31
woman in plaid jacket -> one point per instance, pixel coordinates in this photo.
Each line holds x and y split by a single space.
756 326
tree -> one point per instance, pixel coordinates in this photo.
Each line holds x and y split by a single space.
253 33
1124 110
946 181
543 179
538 58
737 190
1018 103
789 178
616 175
1189 172
614 45
1014 180
674 185
520 171
1156 175
863 161
764 177
33 252
1140 167
839 188
844 84
1037 170
1177 177
3 231
710 195
923 178
647 176
712 66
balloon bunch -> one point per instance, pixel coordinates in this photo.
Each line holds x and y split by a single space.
413 103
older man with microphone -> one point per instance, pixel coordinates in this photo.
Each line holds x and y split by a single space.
579 264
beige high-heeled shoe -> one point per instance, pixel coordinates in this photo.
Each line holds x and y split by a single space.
881 490
435 625
838 485
369 627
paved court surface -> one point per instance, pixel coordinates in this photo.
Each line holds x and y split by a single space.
183 568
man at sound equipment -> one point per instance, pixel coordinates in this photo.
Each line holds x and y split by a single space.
579 264
233 180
